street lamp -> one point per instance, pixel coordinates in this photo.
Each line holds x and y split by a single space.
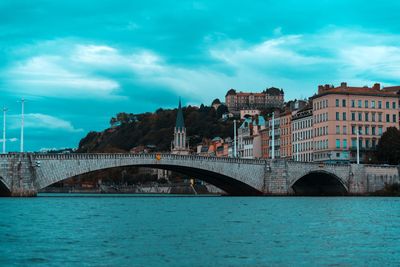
4 129
358 146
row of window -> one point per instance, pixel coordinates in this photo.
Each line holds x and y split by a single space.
366 104
305 146
366 117
359 104
301 124
303 135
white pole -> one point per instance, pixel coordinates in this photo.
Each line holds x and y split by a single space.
4 130
358 147
22 125
273 136
234 139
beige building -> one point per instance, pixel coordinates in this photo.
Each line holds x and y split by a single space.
340 112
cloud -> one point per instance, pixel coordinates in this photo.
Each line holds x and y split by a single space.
42 121
9 140
45 75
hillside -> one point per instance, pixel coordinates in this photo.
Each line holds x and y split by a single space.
156 130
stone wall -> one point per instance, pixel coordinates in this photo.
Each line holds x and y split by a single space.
24 174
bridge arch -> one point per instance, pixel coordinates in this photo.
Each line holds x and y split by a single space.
4 190
319 183
230 185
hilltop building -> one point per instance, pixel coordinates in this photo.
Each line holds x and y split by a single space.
269 98
179 145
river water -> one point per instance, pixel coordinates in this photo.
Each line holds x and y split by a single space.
199 231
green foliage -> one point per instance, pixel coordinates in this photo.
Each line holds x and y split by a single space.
132 130
388 149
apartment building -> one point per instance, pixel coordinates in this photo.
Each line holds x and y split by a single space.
339 113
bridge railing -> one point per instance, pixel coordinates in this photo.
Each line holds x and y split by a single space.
152 156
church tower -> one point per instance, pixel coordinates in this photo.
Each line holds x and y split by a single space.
179 145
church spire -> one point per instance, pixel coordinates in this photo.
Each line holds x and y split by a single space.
180 123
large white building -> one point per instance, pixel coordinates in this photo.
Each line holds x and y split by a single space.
302 135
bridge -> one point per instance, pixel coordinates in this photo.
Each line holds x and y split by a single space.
23 174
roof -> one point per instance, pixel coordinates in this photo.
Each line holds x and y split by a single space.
351 90
180 122
216 102
231 92
274 91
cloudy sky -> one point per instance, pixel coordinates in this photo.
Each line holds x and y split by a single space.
79 62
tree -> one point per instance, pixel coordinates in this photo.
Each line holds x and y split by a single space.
388 150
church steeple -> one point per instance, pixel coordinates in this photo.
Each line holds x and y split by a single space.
179 144
180 122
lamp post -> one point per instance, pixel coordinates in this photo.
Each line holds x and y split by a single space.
4 129
273 136
358 147
234 139
22 125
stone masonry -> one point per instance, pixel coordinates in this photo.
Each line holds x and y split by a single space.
25 174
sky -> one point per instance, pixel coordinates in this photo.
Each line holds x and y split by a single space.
78 63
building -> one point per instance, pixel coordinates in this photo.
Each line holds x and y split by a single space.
249 138
339 113
269 98
179 145
302 134
249 113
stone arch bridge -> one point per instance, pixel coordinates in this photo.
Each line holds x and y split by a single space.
23 174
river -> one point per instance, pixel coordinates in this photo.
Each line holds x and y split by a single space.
121 230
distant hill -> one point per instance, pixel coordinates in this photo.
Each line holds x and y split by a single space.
156 130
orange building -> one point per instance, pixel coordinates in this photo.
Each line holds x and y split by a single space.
340 112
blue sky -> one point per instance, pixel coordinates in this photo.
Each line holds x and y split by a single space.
79 62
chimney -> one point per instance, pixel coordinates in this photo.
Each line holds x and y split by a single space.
377 86
343 85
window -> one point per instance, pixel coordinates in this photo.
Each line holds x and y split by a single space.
344 129
387 118
359 129
359 116
366 116
380 130
353 116
353 129
366 103
344 143
394 118
367 143
337 143
353 142
387 105
344 102
353 103
337 116
373 129
379 104
367 130
373 104
359 103
337 129
337 102
344 116
380 117
373 116
394 105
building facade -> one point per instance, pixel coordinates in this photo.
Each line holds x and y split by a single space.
269 98
302 134
339 113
